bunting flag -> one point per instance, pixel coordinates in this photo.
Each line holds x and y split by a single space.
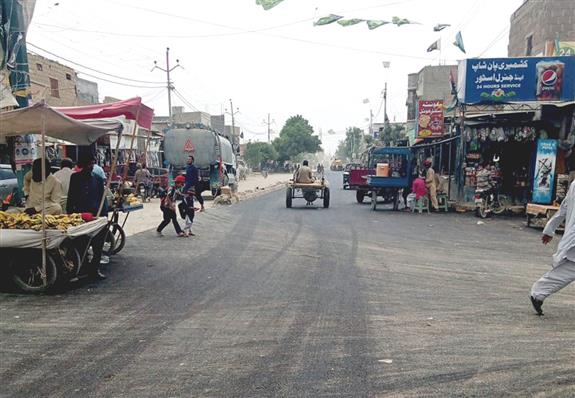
268 4
459 42
435 46
401 21
350 22
375 23
331 18
440 26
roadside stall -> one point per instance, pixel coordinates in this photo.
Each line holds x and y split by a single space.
517 127
41 248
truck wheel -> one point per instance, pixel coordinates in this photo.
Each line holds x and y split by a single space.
288 197
359 196
326 198
373 200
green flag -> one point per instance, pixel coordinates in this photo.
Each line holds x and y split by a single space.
268 4
331 18
374 23
401 21
350 22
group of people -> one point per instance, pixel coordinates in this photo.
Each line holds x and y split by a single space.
425 185
70 190
185 190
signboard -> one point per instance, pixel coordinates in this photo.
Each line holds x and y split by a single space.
430 122
560 48
189 146
544 177
528 79
24 150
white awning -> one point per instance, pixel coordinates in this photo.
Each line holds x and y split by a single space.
33 119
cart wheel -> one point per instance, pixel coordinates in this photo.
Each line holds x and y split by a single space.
288 197
27 271
70 256
359 196
373 200
326 198
119 238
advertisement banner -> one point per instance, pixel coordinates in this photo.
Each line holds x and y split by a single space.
544 177
25 150
566 48
529 79
430 122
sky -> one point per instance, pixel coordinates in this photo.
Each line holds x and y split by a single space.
273 61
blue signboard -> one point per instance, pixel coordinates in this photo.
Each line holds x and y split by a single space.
544 177
529 79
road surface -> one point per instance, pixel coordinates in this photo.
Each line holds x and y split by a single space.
267 301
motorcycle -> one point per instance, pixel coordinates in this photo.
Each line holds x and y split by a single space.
489 201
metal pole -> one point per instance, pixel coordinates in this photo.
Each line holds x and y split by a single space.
269 131
169 83
43 158
461 172
232 112
385 120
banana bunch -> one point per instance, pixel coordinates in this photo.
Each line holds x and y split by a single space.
24 221
133 200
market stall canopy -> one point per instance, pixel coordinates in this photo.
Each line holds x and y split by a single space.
33 119
132 109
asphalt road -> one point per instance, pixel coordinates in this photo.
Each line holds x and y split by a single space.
267 301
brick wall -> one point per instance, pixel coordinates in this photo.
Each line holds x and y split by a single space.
52 81
542 20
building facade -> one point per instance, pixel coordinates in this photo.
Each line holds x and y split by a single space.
51 81
538 23
87 92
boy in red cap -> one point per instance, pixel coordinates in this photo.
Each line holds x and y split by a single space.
168 207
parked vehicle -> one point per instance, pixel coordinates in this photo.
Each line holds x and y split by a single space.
213 156
399 170
489 202
8 180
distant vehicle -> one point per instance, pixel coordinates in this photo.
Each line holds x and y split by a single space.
336 165
8 180
213 156
346 173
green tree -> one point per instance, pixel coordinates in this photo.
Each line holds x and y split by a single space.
258 152
392 134
354 143
296 137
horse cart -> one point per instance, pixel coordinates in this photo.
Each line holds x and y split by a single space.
308 191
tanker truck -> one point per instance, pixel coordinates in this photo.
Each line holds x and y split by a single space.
213 156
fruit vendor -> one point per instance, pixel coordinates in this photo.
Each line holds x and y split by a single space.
84 196
33 189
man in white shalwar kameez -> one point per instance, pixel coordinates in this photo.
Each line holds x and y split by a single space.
563 272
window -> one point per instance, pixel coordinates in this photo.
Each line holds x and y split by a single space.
39 67
529 46
68 76
55 91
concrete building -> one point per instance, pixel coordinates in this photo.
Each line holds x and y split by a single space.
218 123
51 81
87 92
537 23
160 123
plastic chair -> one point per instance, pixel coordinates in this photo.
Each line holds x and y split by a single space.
421 204
443 202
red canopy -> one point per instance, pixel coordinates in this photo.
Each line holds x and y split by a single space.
132 109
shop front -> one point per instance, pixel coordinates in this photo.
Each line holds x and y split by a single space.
517 128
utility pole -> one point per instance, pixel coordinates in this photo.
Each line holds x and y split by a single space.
233 113
269 123
385 119
169 85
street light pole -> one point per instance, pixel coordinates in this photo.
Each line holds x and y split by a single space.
169 85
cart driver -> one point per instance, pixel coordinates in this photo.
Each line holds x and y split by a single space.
304 174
